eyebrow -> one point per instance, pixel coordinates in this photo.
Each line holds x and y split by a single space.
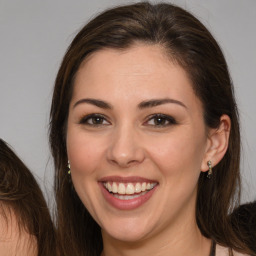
98 103
157 102
142 105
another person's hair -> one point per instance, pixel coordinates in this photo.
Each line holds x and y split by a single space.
21 197
186 42
243 220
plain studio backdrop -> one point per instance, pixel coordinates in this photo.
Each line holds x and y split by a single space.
35 34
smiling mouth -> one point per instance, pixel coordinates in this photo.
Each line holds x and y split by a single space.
128 191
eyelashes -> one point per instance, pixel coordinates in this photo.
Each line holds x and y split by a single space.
94 120
154 121
160 120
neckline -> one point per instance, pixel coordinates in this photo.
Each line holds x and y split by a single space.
212 251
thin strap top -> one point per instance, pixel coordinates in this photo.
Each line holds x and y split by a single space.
213 249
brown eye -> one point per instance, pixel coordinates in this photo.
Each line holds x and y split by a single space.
94 120
160 120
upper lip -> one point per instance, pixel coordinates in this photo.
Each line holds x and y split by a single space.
126 179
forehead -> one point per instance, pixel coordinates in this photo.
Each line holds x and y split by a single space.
140 59
141 71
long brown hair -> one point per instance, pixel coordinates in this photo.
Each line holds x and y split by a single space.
20 193
188 43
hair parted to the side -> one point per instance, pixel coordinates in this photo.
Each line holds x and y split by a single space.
188 43
21 195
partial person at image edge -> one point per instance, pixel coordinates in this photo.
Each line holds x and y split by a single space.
26 228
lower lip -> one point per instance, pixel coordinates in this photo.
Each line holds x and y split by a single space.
129 204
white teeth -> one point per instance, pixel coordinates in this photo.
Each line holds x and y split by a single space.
138 188
114 188
109 188
121 189
128 188
143 186
128 197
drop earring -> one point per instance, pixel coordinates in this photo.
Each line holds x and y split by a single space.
209 174
69 171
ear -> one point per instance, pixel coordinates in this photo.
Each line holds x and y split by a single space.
217 143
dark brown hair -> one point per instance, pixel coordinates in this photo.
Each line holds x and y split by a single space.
20 193
243 219
188 43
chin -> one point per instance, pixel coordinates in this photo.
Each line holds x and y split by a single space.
128 232
127 237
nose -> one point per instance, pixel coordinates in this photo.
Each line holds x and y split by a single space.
125 148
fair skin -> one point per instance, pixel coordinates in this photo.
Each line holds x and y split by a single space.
134 119
14 239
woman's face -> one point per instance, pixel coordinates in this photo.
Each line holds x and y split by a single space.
136 141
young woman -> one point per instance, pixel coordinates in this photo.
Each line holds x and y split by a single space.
145 138
25 223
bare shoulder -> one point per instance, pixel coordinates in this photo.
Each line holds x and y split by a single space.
224 251
14 240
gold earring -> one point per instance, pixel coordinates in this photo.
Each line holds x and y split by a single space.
69 171
209 174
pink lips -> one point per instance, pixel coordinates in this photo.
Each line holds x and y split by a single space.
126 204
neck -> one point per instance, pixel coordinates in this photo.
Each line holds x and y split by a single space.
184 239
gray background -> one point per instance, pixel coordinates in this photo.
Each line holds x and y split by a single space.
34 35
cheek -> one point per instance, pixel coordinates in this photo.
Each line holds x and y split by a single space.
178 155
83 153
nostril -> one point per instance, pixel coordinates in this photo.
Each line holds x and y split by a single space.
126 161
123 163
125 150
